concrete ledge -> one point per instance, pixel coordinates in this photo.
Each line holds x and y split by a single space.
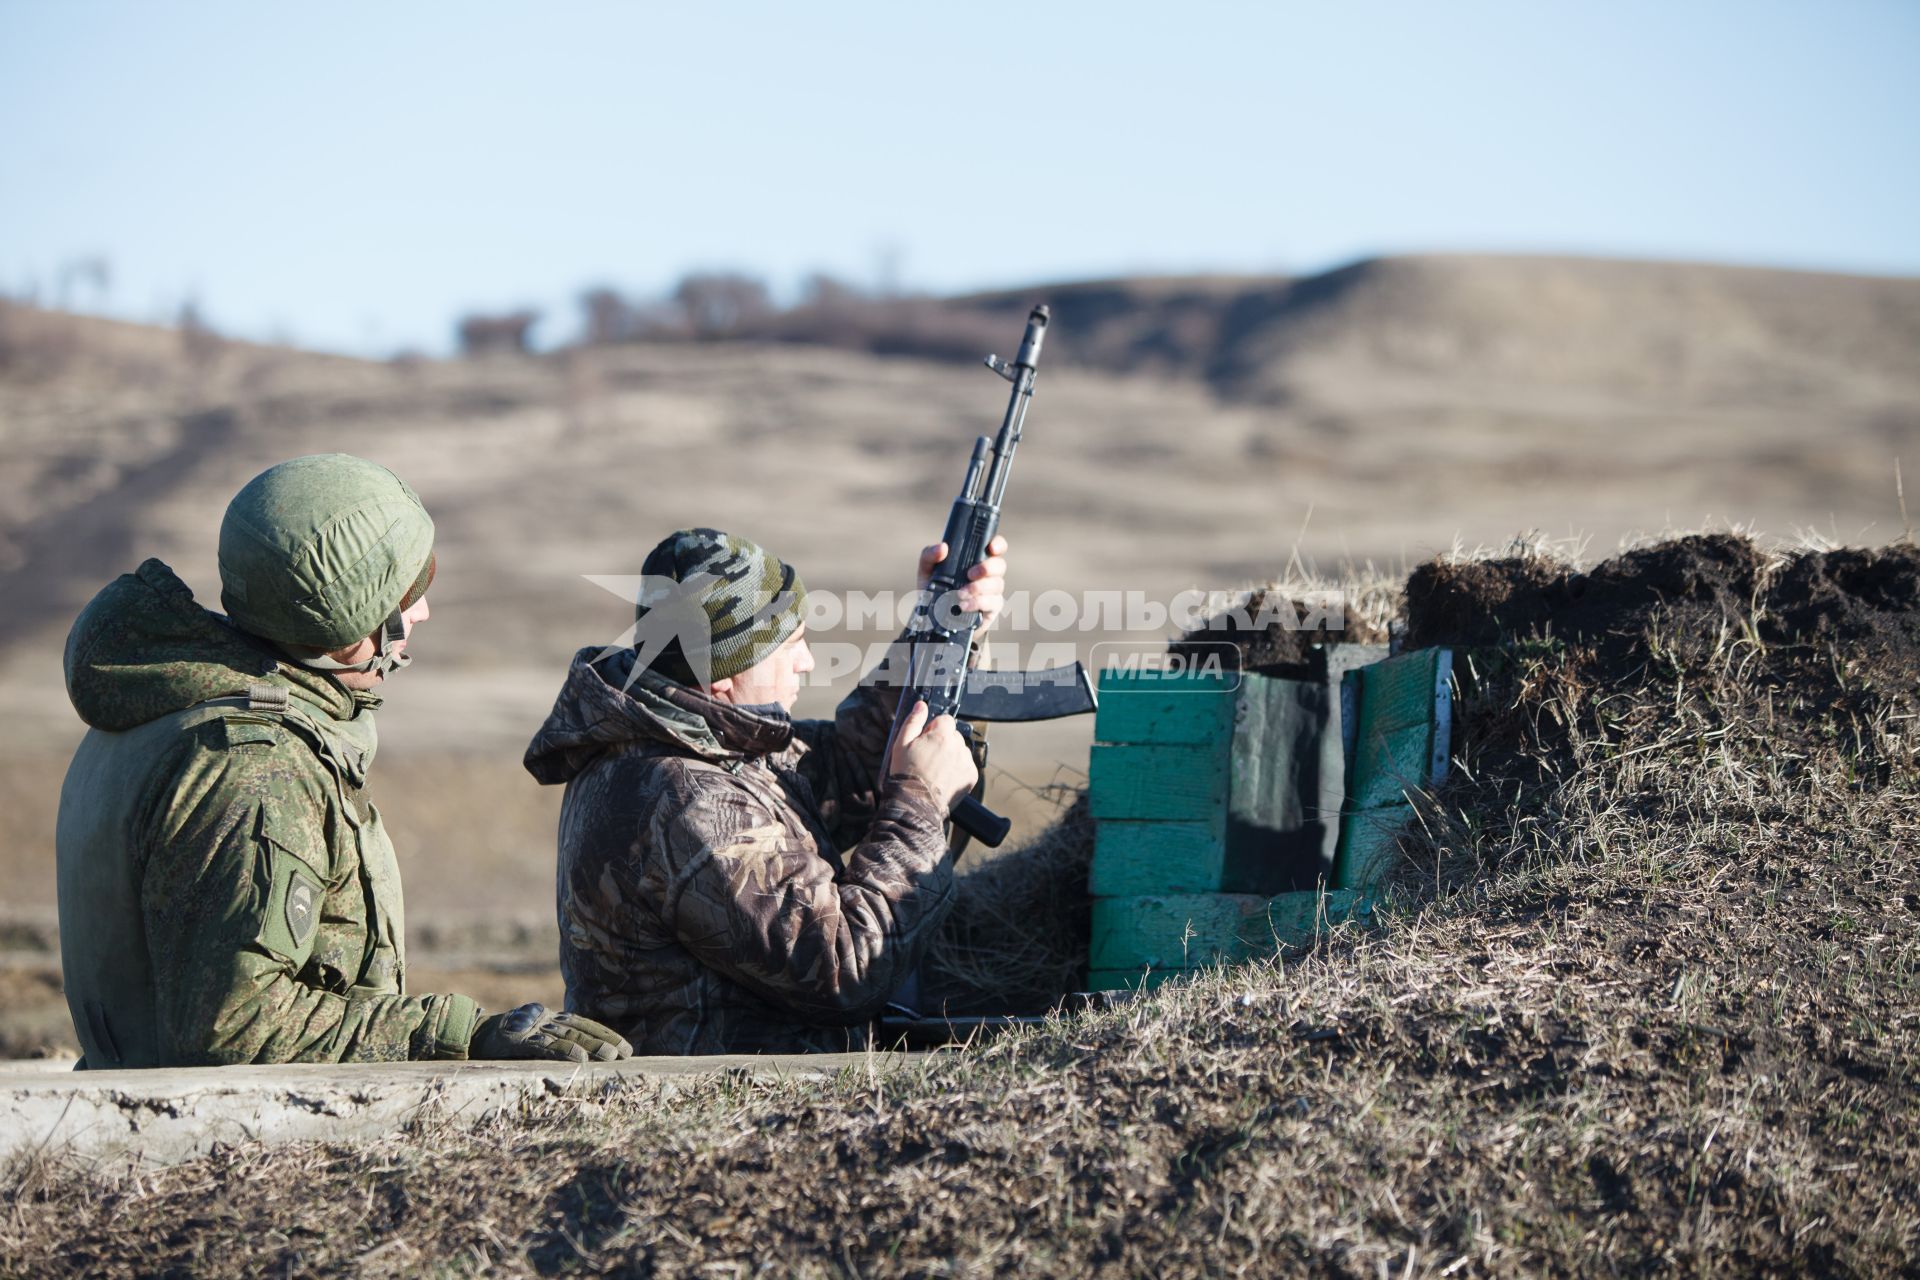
171 1114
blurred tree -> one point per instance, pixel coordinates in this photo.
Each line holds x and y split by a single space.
506 333
609 316
721 303
830 293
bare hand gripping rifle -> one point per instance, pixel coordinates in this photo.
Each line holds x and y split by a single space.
940 639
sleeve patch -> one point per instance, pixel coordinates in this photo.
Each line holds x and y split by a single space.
292 915
303 909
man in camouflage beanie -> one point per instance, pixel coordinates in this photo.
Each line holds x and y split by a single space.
746 602
228 893
732 880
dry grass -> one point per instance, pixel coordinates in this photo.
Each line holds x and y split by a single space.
1649 1004
1017 938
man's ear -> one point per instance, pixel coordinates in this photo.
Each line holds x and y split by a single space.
720 688
359 650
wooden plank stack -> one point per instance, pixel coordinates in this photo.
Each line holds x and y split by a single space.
1226 827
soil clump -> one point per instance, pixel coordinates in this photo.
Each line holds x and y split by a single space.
1708 577
1277 634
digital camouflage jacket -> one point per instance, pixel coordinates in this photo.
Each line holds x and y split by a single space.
730 880
227 891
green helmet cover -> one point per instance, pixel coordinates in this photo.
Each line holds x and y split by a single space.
320 550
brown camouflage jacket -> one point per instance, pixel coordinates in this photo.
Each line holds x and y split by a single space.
730 880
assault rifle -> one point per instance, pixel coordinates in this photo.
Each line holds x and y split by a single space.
940 638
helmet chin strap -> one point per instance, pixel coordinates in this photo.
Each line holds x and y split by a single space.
387 657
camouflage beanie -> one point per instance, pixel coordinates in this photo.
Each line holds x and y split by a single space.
317 552
735 605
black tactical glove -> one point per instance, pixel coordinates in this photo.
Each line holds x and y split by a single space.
531 1031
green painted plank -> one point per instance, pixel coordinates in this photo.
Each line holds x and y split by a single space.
1392 749
1297 918
1131 858
1175 931
1150 707
1130 979
1401 691
1193 930
1398 747
1369 847
1158 782
1389 766
1386 702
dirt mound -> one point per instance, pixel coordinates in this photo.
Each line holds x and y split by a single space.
1619 611
1867 602
1702 649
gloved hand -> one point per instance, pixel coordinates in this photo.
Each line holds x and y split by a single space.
533 1031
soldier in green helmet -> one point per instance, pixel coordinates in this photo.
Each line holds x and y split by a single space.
228 893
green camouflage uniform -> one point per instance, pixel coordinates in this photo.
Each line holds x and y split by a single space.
730 880
227 892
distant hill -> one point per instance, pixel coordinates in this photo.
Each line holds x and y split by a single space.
1672 331
1474 329
1177 325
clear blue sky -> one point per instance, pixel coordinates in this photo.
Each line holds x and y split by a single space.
354 175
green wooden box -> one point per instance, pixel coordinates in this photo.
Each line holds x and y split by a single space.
1225 804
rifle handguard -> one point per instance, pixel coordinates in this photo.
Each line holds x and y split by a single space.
938 659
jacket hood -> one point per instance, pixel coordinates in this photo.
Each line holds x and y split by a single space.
143 648
605 704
